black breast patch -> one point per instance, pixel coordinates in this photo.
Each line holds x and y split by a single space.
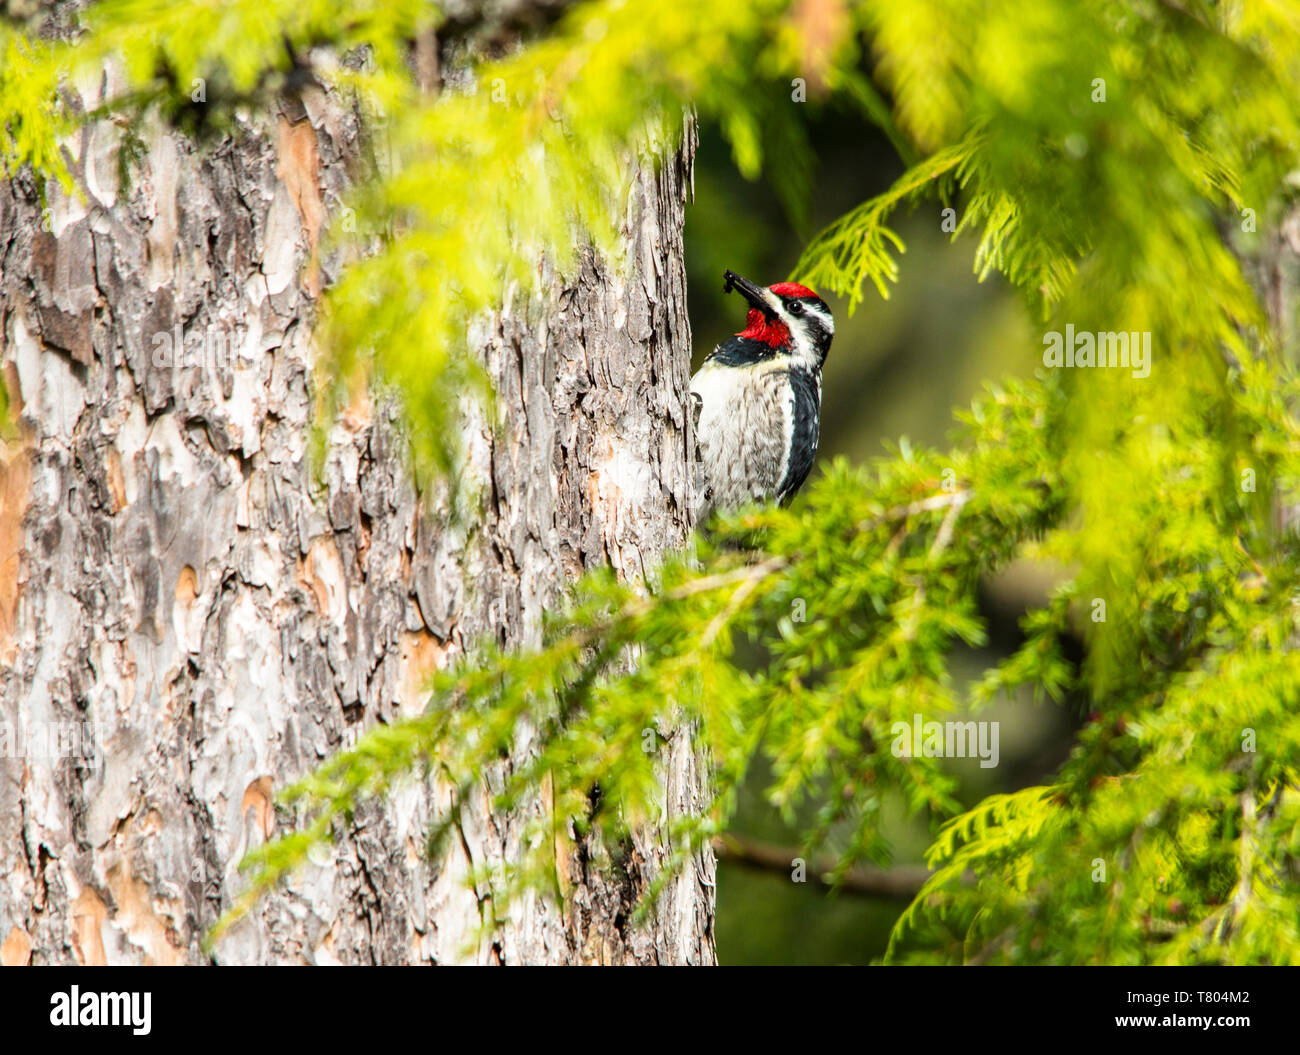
741 351
803 447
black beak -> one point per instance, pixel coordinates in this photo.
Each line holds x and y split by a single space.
751 292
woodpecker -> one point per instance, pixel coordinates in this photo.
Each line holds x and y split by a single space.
757 398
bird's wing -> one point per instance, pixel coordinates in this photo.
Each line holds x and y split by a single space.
803 448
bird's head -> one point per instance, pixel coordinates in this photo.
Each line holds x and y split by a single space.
787 317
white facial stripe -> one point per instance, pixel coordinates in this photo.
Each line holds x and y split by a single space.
824 317
811 311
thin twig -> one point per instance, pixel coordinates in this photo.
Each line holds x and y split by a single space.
949 524
923 505
747 586
901 883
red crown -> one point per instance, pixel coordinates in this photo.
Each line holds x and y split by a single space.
792 289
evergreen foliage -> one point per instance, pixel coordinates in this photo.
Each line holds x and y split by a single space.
1098 153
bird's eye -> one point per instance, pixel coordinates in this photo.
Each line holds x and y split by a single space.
796 308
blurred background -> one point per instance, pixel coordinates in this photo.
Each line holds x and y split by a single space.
898 367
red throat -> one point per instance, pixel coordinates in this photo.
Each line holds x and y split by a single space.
771 332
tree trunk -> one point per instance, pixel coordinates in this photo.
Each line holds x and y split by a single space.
202 623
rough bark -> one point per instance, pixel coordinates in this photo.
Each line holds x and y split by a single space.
176 589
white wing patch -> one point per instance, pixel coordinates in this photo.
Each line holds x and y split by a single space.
787 421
